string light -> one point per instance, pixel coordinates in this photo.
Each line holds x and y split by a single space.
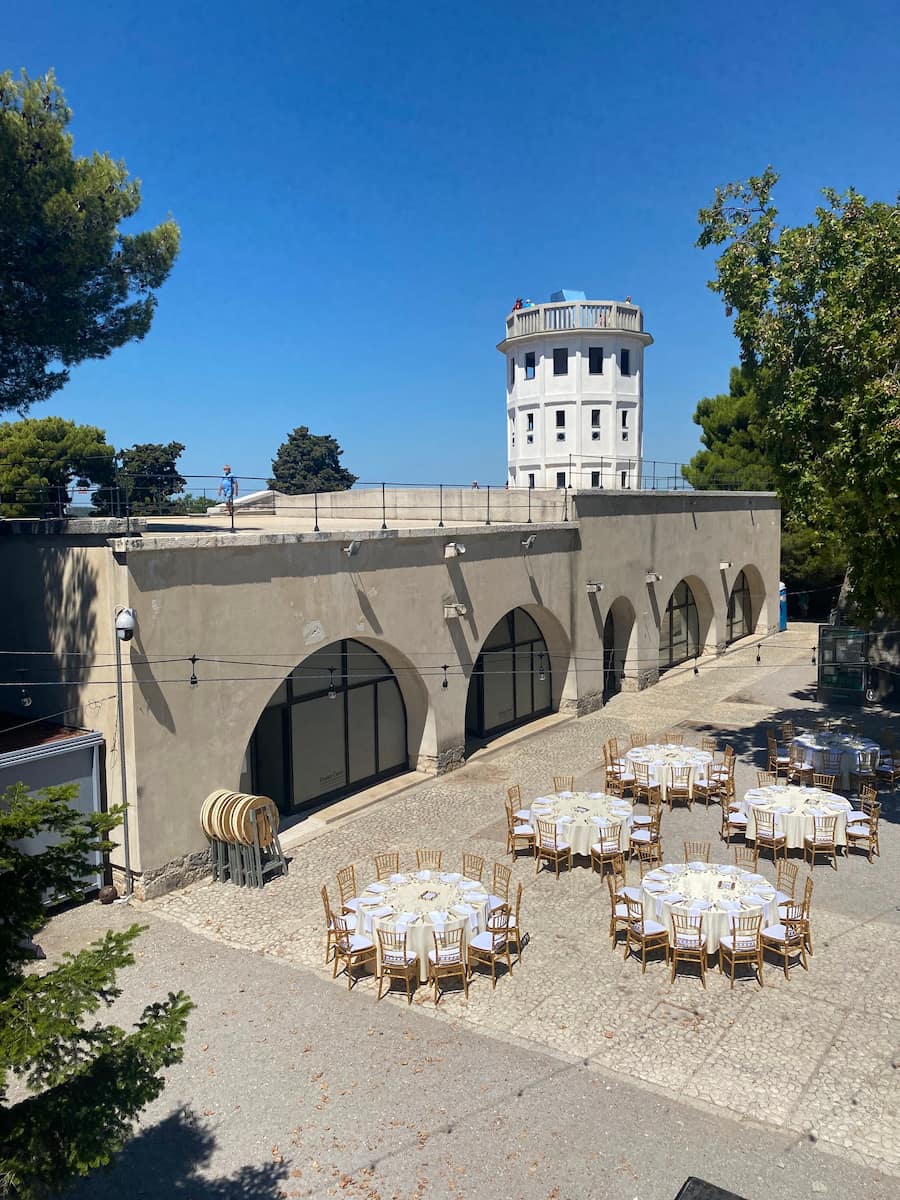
758 655
194 680
696 668
24 694
541 674
445 683
332 694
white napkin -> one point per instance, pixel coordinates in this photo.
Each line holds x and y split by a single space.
700 905
697 866
423 876
377 887
398 879
466 885
471 914
654 888
566 793
403 920
384 911
730 906
438 919
672 898
752 898
477 896
671 868
451 877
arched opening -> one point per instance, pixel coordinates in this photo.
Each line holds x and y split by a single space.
679 633
335 726
617 633
511 681
739 620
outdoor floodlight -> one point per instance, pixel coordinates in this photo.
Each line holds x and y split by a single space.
126 622
454 609
723 566
653 577
593 586
529 541
350 550
454 550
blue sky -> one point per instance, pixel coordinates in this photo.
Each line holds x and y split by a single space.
363 189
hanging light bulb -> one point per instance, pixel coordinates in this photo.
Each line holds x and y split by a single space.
696 668
813 659
332 694
445 682
194 680
24 694
541 675
758 655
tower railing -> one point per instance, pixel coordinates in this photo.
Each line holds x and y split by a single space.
574 315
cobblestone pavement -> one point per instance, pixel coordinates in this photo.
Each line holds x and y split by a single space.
816 1056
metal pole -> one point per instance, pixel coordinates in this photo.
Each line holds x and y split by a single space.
383 518
441 502
530 489
316 510
124 784
488 520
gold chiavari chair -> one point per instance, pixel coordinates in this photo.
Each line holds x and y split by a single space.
564 783
708 787
551 847
821 840
680 789
350 948
329 924
806 906
786 882
766 779
834 765
606 847
646 843
429 860
644 787
387 864
472 865
777 760
746 857
688 941
768 835
643 935
866 829
800 768
673 738
346 881
395 961
500 882
491 945
639 739
734 822
618 911
862 773
514 931
788 732
887 773
519 834
654 811
742 945
710 745
696 851
787 937
447 959
514 797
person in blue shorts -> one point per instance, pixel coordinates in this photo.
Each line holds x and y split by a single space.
228 488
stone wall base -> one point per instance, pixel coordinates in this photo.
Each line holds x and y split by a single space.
582 705
171 875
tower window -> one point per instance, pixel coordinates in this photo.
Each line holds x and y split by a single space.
560 418
595 479
624 418
595 360
529 422
531 479
560 479
624 362
595 418
561 362
512 371
529 365
624 478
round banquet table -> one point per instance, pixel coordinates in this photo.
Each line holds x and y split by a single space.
855 751
424 903
794 808
661 759
579 815
717 891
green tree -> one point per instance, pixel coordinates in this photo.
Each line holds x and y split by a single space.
72 286
87 1082
309 462
147 478
41 458
818 321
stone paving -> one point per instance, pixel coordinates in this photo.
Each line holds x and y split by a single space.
816 1055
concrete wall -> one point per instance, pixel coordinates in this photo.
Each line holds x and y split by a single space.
252 606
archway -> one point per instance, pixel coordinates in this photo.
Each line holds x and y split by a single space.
336 725
511 681
739 615
617 633
680 632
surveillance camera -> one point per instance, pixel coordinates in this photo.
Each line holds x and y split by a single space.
593 586
126 622
454 550
350 550
529 541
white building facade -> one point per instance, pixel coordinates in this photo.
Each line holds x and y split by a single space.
574 393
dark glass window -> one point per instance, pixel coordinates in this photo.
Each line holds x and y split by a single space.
595 360
625 362
740 610
511 680
512 371
595 418
679 634
560 418
529 422
561 362
530 479
560 479
529 365
595 478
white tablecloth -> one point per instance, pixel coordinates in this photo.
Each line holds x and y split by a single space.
794 809
661 759
421 895
727 890
854 750
572 812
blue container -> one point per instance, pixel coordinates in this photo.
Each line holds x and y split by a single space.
782 608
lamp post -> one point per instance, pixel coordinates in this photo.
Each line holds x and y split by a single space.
125 626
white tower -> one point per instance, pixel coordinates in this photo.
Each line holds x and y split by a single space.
575 392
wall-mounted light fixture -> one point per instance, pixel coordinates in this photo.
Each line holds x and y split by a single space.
332 694
454 610
352 549
24 694
193 680
445 683
593 587
528 542
724 566
454 550
654 577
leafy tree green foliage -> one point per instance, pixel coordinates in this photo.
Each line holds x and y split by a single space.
818 321
308 462
40 459
72 286
147 479
87 1082
734 437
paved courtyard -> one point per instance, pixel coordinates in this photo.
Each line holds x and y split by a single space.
577 1076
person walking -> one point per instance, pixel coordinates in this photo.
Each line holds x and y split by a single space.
228 488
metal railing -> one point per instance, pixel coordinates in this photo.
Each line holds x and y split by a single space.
573 315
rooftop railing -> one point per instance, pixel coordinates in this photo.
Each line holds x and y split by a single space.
573 315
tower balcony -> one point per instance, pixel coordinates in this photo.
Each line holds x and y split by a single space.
574 316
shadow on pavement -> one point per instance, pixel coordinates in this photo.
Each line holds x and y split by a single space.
165 1160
